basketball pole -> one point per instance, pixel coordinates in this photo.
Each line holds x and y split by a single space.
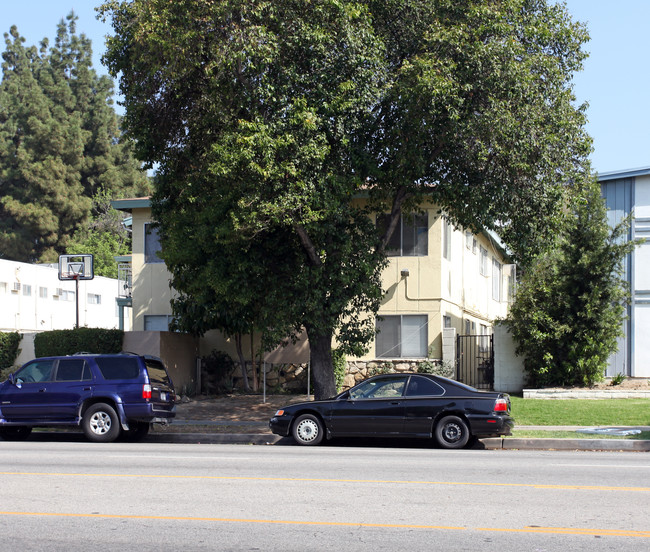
76 295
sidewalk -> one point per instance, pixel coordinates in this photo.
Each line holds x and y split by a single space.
243 419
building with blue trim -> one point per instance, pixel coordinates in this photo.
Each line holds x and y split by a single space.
625 192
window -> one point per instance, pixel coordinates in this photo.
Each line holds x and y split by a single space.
66 295
387 387
116 368
3 287
402 336
410 238
468 239
72 370
483 264
419 386
496 280
446 321
157 322
94 299
42 292
35 372
27 290
151 244
470 327
446 239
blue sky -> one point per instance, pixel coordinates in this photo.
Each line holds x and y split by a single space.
614 81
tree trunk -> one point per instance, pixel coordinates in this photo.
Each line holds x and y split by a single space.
242 363
322 369
256 385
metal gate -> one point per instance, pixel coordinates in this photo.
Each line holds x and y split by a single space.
475 360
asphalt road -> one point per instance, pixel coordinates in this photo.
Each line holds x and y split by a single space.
67 495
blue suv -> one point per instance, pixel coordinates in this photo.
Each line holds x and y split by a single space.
108 396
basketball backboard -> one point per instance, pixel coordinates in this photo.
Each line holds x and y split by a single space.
76 267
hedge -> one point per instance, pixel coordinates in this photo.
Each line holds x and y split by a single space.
68 342
9 350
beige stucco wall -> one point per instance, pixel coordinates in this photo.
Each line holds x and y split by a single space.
435 286
151 291
179 352
442 287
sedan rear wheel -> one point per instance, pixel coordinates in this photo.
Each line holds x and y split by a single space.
452 432
308 430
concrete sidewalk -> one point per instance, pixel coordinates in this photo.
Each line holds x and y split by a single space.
243 419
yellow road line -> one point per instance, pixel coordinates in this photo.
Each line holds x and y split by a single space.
529 529
334 480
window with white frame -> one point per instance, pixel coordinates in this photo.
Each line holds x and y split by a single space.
496 280
157 322
94 299
446 321
151 244
42 292
410 238
66 295
469 238
402 336
483 261
446 238
27 290
484 339
3 287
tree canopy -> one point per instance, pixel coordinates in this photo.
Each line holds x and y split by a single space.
60 144
267 119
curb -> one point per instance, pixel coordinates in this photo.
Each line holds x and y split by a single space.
492 443
630 445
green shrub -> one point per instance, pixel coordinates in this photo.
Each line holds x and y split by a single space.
9 350
340 367
437 368
218 369
68 342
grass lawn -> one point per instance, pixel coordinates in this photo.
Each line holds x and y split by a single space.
582 412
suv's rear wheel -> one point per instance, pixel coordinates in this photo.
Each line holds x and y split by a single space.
100 423
15 433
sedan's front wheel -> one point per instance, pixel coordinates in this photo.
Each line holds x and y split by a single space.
308 430
452 432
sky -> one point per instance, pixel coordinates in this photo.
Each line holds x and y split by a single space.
614 80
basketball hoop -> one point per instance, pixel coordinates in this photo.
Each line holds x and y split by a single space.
76 267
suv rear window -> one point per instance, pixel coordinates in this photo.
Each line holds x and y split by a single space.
116 368
157 372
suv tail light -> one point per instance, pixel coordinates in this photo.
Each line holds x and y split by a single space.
146 391
501 405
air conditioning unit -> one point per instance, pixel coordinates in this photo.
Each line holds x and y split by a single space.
58 292
16 287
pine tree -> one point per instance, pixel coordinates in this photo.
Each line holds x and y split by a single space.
59 144
570 305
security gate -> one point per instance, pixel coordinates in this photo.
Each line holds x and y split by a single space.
475 360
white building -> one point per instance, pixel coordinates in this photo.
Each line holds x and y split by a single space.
33 299
626 192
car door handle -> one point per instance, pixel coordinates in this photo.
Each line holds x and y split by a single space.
87 388
396 402
42 390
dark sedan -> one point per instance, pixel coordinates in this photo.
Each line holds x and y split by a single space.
400 405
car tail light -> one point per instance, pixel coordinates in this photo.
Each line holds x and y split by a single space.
501 405
146 391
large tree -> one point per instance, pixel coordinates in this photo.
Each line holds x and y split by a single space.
59 144
267 119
